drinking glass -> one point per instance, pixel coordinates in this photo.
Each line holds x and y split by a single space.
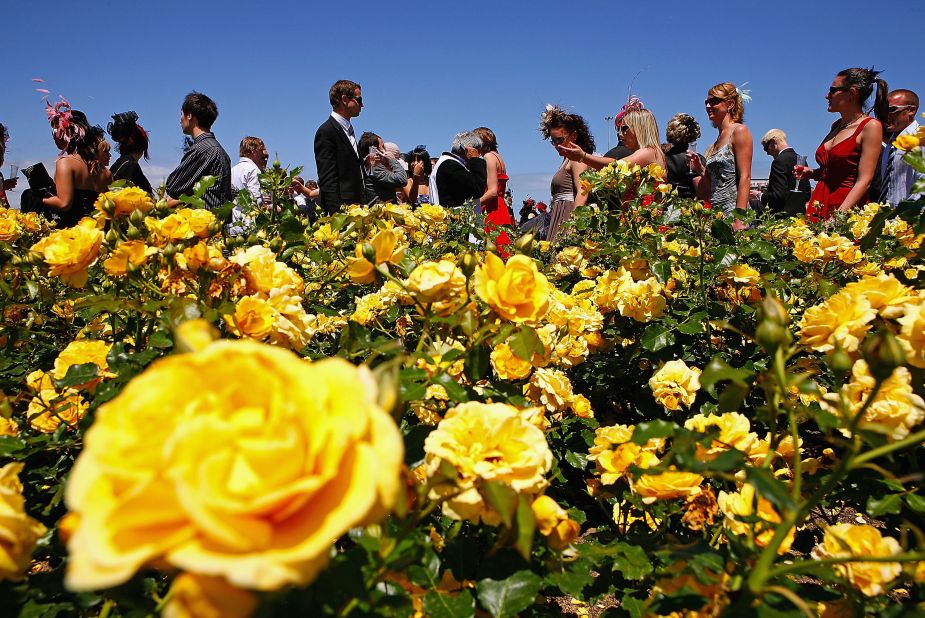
692 148
801 162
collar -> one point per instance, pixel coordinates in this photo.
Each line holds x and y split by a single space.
202 136
343 122
247 160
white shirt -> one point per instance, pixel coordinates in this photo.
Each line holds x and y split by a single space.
244 176
903 175
347 127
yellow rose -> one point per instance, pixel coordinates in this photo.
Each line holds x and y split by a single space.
172 228
907 142
18 531
807 250
843 319
912 333
582 407
666 485
742 273
69 252
253 317
81 352
484 442
441 286
264 273
241 461
740 505
734 432
126 201
507 365
200 596
516 290
9 229
871 578
554 523
200 221
8 427
674 384
202 255
387 250
895 410
49 409
607 288
886 295
613 453
641 300
550 388
133 252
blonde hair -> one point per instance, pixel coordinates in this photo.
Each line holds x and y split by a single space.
644 126
773 135
729 92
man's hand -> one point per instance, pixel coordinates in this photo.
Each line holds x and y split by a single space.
10 184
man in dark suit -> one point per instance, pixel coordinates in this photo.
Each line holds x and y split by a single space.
779 197
340 171
460 174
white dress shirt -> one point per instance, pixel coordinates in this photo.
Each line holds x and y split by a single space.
243 176
903 175
347 127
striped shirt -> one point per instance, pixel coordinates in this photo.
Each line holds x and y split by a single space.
205 157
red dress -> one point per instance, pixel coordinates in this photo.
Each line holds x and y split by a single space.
497 213
838 171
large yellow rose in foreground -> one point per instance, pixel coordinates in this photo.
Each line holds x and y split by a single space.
871 578
69 252
240 461
125 201
843 320
438 285
484 442
18 531
516 290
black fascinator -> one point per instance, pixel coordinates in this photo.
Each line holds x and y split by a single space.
121 124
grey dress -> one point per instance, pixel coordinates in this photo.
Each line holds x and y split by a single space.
563 200
721 165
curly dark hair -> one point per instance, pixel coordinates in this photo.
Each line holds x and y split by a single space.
556 118
682 129
88 147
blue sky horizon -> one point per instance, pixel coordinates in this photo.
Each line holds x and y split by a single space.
430 71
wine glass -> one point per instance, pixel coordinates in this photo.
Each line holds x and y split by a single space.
801 162
691 149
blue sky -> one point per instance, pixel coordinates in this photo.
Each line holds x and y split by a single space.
429 70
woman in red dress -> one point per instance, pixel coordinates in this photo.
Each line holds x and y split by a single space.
848 155
494 207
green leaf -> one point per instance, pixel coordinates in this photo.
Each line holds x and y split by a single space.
724 256
769 487
732 397
10 445
632 561
653 429
695 324
890 503
525 527
916 502
662 271
453 388
78 374
577 460
525 343
718 370
160 339
501 498
656 337
477 363
573 580
438 605
507 597
722 232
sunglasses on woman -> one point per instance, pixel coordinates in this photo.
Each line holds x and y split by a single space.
834 89
624 129
557 141
712 101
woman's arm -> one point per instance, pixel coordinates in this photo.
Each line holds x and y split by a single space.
643 157
742 149
573 152
581 198
491 183
871 143
64 185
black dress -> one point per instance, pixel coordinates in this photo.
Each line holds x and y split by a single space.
81 206
126 168
679 171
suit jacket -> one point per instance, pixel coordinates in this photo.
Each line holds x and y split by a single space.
778 197
456 184
340 175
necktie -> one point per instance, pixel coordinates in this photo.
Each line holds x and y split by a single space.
352 136
887 171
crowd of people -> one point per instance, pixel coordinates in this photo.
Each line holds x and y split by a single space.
856 161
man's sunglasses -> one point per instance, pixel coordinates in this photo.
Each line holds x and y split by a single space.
892 109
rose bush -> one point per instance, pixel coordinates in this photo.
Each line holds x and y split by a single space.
368 415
